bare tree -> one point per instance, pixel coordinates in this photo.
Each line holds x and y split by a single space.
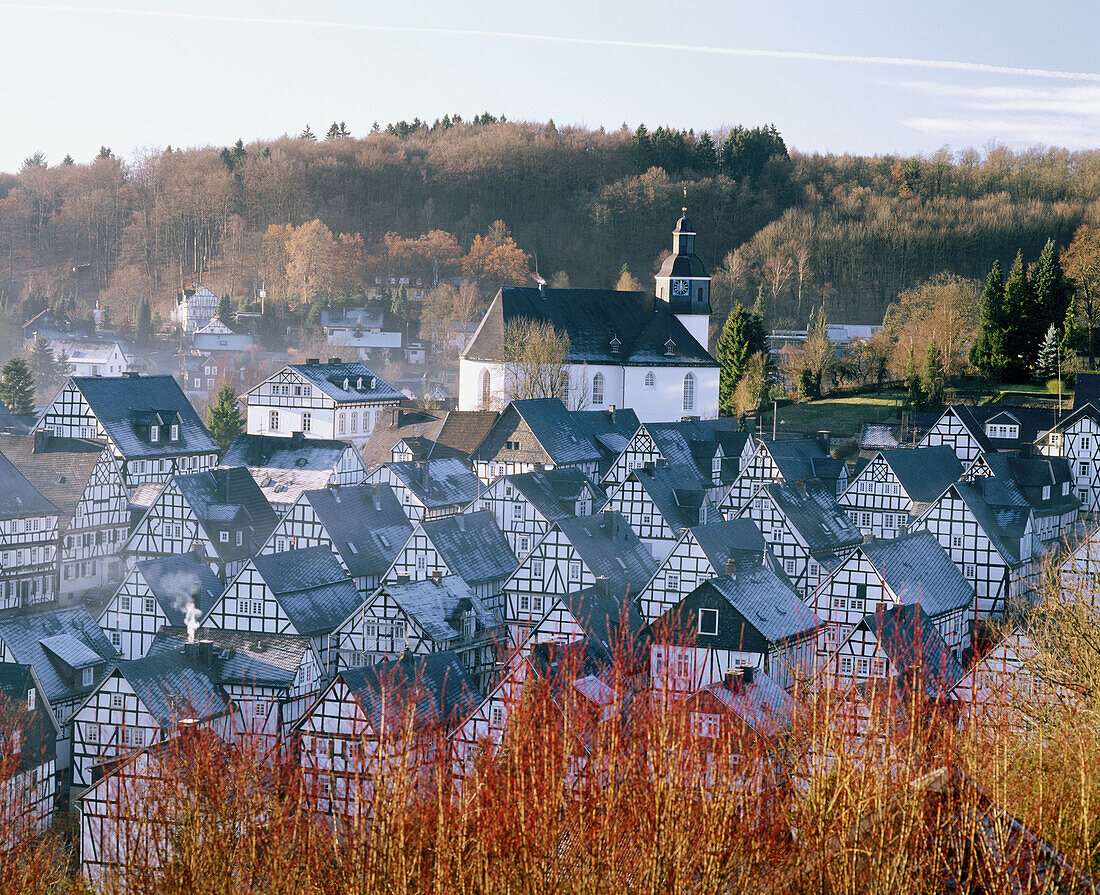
536 360
778 273
804 271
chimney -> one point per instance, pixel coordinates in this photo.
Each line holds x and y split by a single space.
460 521
731 567
603 585
735 679
611 523
402 578
746 674
395 418
823 440
201 653
296 438
335 360
649 466
437 576
376 494
41 440
422 472
611 412
312 361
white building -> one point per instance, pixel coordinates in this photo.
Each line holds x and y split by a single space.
334 401
93 358
194 309
627 349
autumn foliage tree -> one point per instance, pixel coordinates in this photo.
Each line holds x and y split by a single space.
495 259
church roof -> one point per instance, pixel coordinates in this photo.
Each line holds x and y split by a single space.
591 318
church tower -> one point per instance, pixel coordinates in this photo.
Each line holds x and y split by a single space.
683 282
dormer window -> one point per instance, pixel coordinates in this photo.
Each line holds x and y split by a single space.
174 432
88 676
223 536
31 699
154 434
670 348
359 383
345 383
616 345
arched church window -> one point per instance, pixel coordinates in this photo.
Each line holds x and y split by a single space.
689 393
597 389
650 380
486 390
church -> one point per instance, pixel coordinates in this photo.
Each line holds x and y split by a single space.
646 351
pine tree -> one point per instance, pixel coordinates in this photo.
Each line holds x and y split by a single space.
912 382
987 352
43 366
743 336
64 366
225 310
1073 339
399 305
307 134
1053 291
17 387
145 320
1020 312
1046 364
932 379
224 417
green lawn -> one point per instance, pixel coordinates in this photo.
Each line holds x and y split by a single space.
840 416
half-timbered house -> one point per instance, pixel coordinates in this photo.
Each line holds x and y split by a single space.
171 590
806 530
83 480
787 461
469 545
987 531
1045 484
363 525
960 430
144 702
702 552
305 592
1077 438
28 542
749 617
525 504
1079 571
373 722
660 502
220 513
329 401
409 434
146 421
430 489
285 466
897 486
910 568
429 616
28 755
570 557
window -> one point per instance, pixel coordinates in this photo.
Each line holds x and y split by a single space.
969 571
91 733
353 420
116 700
689 392
525 603
597 389
524 544
673 582
133 737
1065 489
87 677
174 433
650 380
273 421
240 538
846 665
421 563
1083 469
340 424
788 566
124 604
956 541
1046 492
486 390
257 607
839 603
154 434
708 621
705 724
574 571
517 511
683 664
223 536
878 668
150 605
1086 443
116 639
497 716
537 568
307 421
31 694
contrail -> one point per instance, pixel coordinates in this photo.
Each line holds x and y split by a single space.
893 61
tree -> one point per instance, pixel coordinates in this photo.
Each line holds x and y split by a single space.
944 309
145 320
912 382
1021 343
496 258
224 418
17 387
64 366
559 280
987 353
751 385
819 356
1052 290
307 134
743 336
399 304
932 379
626 282
536 360
43 366
1046 364
225 310
1081 262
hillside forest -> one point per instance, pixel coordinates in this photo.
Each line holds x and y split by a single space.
314 220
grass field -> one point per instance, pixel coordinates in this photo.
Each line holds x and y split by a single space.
840 416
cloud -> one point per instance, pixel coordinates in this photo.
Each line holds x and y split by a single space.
745 52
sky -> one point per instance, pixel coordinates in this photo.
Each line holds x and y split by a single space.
855 76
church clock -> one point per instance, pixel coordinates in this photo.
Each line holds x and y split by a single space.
679 287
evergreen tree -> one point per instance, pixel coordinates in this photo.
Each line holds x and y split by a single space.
225 310
17 387
64 366
399 304
743 335
1053 291
932 379
224 418
912 382
1020 313
1046 364
145 320
1073 339
43 366
987 352
307 134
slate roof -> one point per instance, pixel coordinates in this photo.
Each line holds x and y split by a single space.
229 497
368 537
677 494
767 602
23 635
554 492
610 619
329 378
115 400
243 658
174 686
463 431
762 704
592 318
175 580
737 539
610 548
911 640
472 547
434 604
436 685
1030 475
609 431
918 570
438 484
39 729
686 442
924 472
59 473
813 511
1000 510
18 497
799 459
563 440
401 423
289 452
311 586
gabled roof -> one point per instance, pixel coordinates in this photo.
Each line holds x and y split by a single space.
229 497
738 539
18 497
554 492
608 618
463 431
676 492
609 547
1086 390
174 686
609 430
918 570
679 442
438 484
290 452
367 534
434 605
813 511
116 400
913 644
175 581
1000 509
554 428
1030 475
924 472
242 658
400 423
329 378
436 686
23 635
592 318
799 459
311 586
764 706
472 546
59 470
39 728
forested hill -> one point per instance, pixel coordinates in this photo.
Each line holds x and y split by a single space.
850 230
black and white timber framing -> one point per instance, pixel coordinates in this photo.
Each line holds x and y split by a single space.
1077 438
430 489
791 460
961 431
28 542
29 742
